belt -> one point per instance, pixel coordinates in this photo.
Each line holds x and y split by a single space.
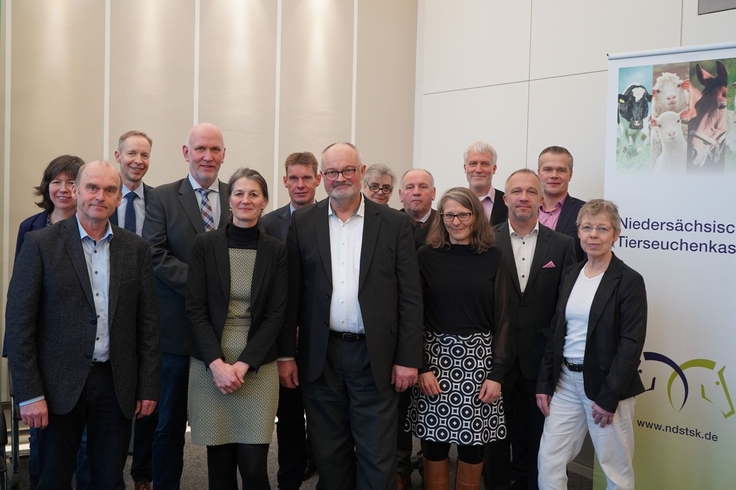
576 367
347 336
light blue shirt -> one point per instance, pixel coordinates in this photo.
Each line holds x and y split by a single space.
97 256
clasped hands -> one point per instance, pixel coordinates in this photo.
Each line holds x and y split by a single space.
228 377
489 391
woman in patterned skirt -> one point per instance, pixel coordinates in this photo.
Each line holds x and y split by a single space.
236 301
459 387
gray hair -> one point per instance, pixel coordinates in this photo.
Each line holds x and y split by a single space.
480 147
379 170
431 177
596 207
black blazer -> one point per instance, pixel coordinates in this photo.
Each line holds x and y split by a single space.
208 297
51 319
500 212
530 313
276 223
616 330
566 223
172 221
389 291
32 223
421 230
146 189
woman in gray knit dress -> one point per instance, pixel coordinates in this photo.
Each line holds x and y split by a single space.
236 301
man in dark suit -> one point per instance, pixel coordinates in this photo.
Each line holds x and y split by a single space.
480 165
354 293
559 209
133 155
175 214
536 257
295 463
83 334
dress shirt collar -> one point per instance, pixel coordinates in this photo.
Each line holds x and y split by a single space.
214 187
360 212
138 191
534 231
83 233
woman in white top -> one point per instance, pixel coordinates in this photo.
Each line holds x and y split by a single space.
589 373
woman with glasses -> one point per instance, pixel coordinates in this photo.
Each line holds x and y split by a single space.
589 373
459 387
378 183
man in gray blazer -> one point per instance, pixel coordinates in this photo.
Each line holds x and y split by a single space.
536 258
355 294
175 214
83 334
295 463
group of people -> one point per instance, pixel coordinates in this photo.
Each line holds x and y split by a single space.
501 322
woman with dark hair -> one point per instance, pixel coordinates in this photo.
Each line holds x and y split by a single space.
55 190
459 387
589 374
236 302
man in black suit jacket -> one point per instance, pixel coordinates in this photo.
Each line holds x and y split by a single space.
133 155
480 165
559 210
536 257
175 214
354 292
83 334
295 464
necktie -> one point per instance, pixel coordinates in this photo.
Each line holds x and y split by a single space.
206 209
130 212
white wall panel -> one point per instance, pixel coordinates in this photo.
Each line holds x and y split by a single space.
452 121
713 28
474 43
570 112
574 36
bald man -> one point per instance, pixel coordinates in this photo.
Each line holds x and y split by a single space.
71 283
175 214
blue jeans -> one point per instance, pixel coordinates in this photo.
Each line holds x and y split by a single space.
168 442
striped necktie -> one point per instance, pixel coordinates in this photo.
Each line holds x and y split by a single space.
206 209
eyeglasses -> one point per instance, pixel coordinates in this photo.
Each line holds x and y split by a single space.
449 217
346 172
602 230
386 189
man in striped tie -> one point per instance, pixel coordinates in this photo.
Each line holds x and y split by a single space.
175 214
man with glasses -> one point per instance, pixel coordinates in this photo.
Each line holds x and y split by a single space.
535 258
480 165
354 292
294 454
378 183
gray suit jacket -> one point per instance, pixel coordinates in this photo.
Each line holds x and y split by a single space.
276 223
172 221
51 319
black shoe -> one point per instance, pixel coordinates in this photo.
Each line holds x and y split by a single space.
310 469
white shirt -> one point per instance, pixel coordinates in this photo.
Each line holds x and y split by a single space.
577 314
346 240
213 197
140 209
523 247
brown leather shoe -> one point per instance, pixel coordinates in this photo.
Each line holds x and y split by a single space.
404 481
143 485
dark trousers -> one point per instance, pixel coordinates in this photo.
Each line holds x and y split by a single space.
226 460
82 462
352 424
141 469
524 424
403 438
168 442
292 438
108 436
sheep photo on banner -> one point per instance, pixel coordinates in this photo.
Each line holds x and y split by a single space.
671 168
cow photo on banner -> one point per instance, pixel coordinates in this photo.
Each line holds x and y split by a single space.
670 167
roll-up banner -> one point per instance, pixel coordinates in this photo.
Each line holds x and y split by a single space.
671 169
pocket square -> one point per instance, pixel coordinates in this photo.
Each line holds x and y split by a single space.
549 265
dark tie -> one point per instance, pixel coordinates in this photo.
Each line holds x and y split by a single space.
130 212
206 209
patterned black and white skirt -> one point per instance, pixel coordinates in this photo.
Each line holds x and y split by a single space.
460 363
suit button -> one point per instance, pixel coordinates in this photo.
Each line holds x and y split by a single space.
88 356
327 323
93 322
327 295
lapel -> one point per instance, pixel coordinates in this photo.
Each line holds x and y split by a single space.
371 226
568 282
284 222
322 228
117 262
565 214
73 244
190 204
544 240
114 217
503 241
263 256
224 206
608 284
222 259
